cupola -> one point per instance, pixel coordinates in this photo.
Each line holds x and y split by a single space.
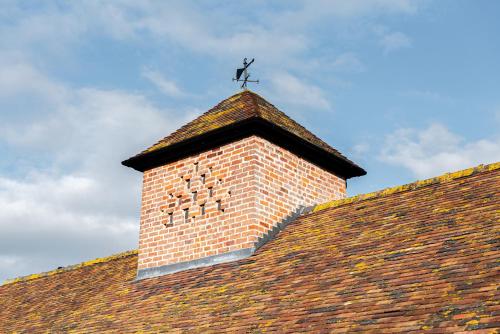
222 185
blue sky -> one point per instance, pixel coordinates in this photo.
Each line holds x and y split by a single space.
407 89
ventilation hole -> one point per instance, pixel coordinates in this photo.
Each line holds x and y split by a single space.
188 183
170 220
170 195
202 209
219 181
196 167
202 178
179 200
194 195
229 193
210 192
219 206
186 215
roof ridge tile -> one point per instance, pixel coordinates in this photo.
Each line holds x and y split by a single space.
71 267
409 186
253 97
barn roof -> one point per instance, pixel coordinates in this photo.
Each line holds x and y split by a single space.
422 256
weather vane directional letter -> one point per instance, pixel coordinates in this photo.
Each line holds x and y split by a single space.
245 73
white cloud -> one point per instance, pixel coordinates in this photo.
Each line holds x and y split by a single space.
18 78
50 220
394 41
310 11
361 149
7 261
436 150
272 34
187 28
348 62
82 202
291 90
428 95
167 87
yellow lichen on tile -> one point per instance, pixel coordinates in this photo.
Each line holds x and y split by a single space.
415 185
361 266
493 166
472 322
76 266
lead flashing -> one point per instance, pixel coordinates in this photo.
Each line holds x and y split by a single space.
198 263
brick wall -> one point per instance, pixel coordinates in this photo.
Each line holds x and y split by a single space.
222 200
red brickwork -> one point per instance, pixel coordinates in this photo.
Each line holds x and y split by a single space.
222 200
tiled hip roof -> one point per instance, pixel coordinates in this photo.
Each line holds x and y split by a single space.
240 113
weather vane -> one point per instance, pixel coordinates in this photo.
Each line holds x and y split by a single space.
246 75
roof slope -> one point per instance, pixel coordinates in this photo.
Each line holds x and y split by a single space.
237 108
419 257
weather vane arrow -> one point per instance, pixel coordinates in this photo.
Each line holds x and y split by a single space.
244 71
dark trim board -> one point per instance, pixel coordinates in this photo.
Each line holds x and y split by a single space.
335 164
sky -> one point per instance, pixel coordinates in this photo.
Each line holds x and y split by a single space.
407 89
